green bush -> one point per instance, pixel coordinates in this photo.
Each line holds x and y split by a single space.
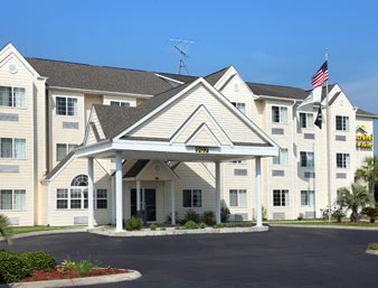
338 215
221 225
208 218
202 225
191 225
134 223
163 229
82 268
152 227
225 213
169 218
191 215
373 246
300 217
38 260
12 267
371 212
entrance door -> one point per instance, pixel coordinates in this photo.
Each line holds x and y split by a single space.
148 203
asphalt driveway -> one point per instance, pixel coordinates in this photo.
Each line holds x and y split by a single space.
282 257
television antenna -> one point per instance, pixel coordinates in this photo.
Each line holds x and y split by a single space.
180 45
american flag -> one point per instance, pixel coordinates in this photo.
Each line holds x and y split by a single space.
320 76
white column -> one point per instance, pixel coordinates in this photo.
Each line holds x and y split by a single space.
173 203
258 193
138 200
90 194
48 212
217 192
118 186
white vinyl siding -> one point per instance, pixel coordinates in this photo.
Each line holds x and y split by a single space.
306 120
342 123
12 97
13 199
66 106
282 158
12 148
280 198
279 114
342 160
238 198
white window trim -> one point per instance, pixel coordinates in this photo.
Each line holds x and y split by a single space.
279 158
82 198
13 149
280 107
15 210
237 104
191 198
308 193
307 159
287 199
76 114
119 103
307 121
347 128
13 98
346 159
67 152
101 198
238 192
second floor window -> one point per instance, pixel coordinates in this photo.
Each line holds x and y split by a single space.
191 198
342 123
63 149
306 120
307 159
280 198
279 114
240 106
12 97
282 158
342 160
13 148
120 103
66 106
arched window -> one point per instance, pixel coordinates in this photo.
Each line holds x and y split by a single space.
80 180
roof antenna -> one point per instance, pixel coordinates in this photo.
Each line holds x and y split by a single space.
179 45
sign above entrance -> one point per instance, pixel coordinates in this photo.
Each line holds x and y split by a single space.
202 150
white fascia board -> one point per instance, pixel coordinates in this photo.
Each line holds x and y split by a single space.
110 93
231 71
278 98
10 50
91 150
169 79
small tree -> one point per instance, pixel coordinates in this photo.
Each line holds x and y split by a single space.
368 173
353 200
5 229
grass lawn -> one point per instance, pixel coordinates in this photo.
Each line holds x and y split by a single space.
27 229
325 222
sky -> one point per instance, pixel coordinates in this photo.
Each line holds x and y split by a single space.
276 42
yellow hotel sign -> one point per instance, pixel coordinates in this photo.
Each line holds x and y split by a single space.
364 141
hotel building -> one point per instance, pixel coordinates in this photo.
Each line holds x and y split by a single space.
78 141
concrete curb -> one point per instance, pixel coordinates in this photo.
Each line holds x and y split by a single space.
75 282
325 227
173 231
371 252
49 232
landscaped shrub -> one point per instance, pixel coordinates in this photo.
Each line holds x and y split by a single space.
216 226
202 225
5 228
191 225
169 218
12 267
82 268
152 227
300 217
134 223
373 246
338 215
225 213
191 215
371 212
38 260
208 218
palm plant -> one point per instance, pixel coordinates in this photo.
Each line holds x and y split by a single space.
353 200
5 228
369 173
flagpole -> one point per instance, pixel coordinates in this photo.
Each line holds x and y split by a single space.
329 156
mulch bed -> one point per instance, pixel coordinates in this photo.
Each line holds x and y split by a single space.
56 274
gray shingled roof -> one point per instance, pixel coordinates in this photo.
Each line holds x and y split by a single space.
278 91
136 168
179 77
213 78
92 77
364 113
114 119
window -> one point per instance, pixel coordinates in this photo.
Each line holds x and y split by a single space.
307 159
282 158
342 160
80 181
102 199
342 123
12 199
120 103
238 198
76 198
62 198
12 148
72 198
63 149
66 106
240 106
279 114
192 198
307 198
306 120
12 97
280 197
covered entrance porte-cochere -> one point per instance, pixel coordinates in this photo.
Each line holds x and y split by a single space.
189 123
